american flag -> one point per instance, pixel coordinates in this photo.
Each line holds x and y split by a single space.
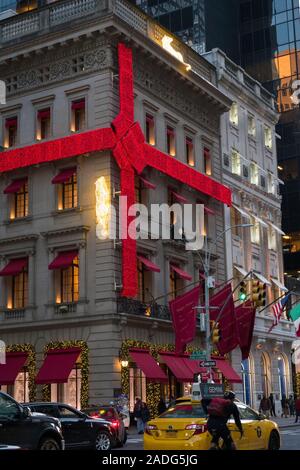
277 309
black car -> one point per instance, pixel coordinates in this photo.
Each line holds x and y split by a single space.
80 431
111 414
22 428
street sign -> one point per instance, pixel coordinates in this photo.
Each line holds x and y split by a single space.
207 363
198 355
212 390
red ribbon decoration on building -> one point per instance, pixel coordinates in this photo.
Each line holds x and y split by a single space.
127 142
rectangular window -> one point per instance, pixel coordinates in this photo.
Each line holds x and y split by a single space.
21 202
43 125
234 114
19 294
150 129
254 174
11 132
189 151
271 184
268 137
235 219
255 231
272 239
68 199
171 141
175 282
78 115
69 283
251 126
207 161
236 162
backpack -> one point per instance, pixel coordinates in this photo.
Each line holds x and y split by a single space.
218 407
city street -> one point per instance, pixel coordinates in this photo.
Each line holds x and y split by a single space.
290 439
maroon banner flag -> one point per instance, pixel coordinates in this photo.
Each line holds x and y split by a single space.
184 318
245 317
223 300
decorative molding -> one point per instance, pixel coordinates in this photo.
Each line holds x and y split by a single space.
43 99
64 231
19 239
10 109
80 89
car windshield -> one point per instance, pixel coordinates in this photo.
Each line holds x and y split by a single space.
184 411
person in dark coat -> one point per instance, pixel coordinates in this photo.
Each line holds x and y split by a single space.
161 407
272 409
145 414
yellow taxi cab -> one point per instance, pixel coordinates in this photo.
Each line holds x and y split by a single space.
184 427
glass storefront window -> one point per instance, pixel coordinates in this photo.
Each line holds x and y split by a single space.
69 392
20 390
137 386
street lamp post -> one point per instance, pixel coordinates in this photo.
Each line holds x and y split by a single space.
206 266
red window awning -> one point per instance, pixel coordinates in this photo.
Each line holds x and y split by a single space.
15 186
170 131
44 114
178 366
78 104
148 365
147 184
11 122
181 273
180 198
228 371
149 118
63 260
148 264
15 361
64 176
14 267
57 366
189 142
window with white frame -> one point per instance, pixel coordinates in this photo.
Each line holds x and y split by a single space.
254 173
78 115
189 151
10 132
150 129
271 184
171 141
268 137
234 114
236 162
272 239
43 124
255 231
251 126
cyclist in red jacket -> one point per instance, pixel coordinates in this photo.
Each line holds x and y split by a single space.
219 411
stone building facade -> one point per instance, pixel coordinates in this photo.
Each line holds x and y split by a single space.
249 165
61 286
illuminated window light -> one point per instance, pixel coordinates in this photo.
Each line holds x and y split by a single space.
102 208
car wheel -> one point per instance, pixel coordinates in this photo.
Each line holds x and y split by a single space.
49 443
103 441
274 442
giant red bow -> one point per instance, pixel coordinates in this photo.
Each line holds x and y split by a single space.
126 140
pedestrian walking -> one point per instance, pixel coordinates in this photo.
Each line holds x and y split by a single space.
137 413
284 406
161 407
145 415
292 405
297 408
272 403
265 406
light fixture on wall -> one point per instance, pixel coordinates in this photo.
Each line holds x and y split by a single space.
124 363
260 344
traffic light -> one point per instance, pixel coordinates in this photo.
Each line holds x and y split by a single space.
243 291
258 293
215 333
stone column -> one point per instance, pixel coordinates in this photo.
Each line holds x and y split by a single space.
82 271
3 297
31 279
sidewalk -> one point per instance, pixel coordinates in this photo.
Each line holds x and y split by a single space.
286 422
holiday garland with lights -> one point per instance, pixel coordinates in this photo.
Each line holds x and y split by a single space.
153 390
298 384
30 365
84 360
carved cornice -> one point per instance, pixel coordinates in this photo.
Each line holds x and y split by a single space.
63 231
19 239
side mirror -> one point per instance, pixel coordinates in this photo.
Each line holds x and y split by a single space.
26 412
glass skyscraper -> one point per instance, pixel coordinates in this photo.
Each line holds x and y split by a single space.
270 51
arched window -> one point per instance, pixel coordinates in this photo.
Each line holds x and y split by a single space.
265 374
247 374
282 376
